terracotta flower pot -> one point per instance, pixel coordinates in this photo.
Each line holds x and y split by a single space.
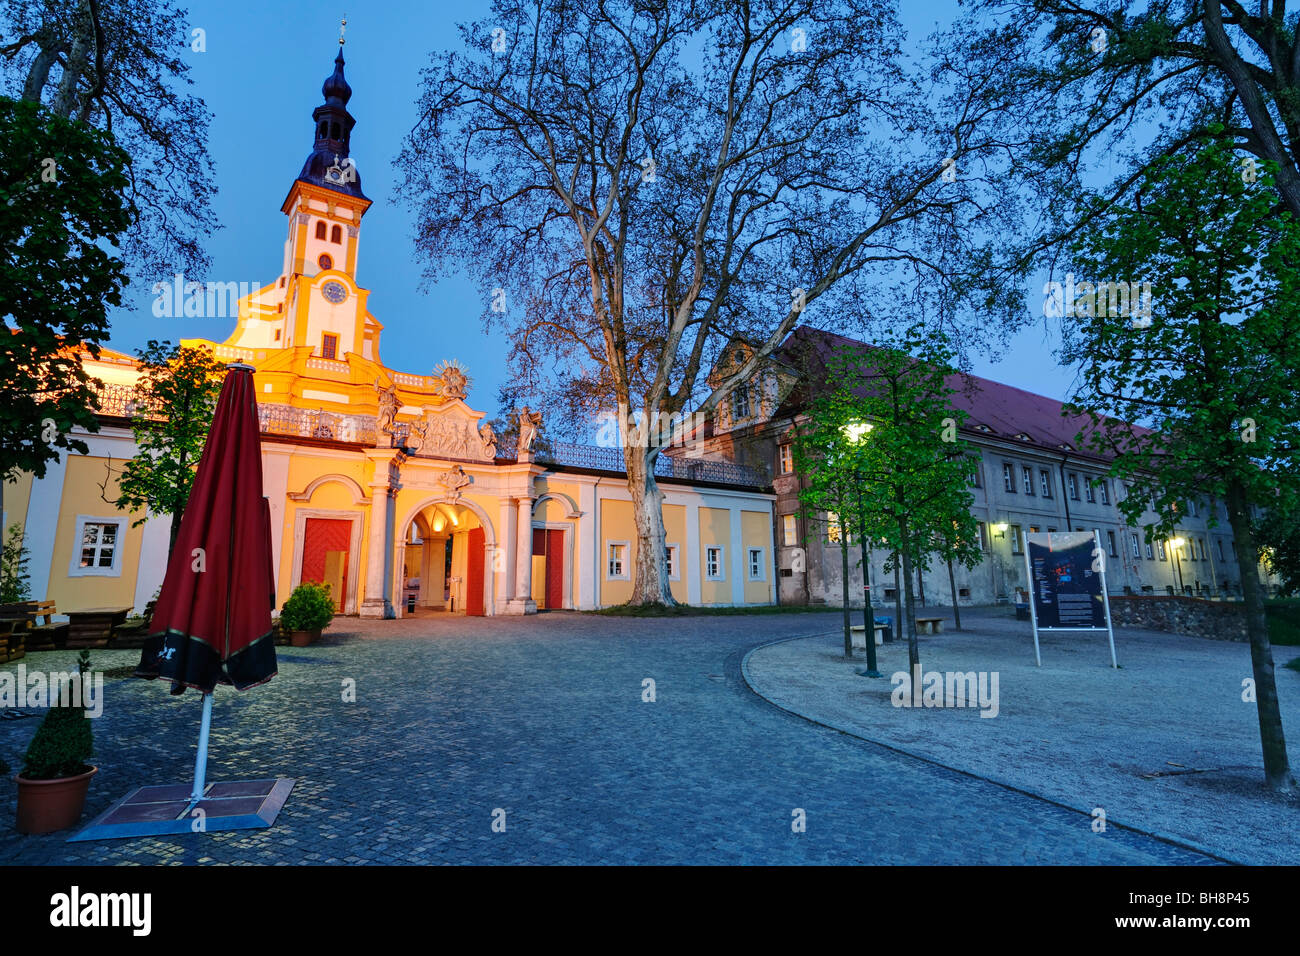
45 806
304 638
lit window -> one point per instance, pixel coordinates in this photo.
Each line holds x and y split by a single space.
329 346
713 564
756 572
97 550
789 530
617 561
787 459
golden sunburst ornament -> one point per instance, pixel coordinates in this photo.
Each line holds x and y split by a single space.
455 381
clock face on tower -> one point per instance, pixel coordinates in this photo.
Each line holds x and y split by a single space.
334 292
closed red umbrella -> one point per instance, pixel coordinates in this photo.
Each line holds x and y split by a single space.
212 622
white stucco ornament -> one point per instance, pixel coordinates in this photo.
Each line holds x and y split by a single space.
454 480
453 382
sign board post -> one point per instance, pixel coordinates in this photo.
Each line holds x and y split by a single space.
1067 581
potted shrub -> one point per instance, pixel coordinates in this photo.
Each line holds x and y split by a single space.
309 609
52 786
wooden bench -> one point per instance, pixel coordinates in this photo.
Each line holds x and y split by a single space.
858 629
929 625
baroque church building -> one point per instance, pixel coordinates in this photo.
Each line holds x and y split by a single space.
387 485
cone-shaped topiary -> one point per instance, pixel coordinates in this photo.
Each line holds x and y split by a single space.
63 742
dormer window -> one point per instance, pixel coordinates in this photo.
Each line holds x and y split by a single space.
1023 437
983 428
740 402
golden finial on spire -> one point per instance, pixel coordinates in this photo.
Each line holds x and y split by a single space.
343 26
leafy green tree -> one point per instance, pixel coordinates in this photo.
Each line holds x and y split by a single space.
1212 376
1281 536
62 209
177 395
827 458
14 580
898 464
916 465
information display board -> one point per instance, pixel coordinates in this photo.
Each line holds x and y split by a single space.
1067 584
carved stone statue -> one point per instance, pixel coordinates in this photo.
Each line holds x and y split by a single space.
489 439
418 436
529 422
454 480
388 406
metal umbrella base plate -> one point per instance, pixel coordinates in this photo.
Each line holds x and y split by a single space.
162 810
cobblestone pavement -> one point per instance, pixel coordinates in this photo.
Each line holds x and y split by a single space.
543 717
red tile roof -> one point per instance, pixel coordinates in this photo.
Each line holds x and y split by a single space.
1006 411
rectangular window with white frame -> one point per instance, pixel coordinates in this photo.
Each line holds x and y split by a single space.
1008 479
98 547
757 566
787 459
617 564
1027 479
714 569
674 565
1045 482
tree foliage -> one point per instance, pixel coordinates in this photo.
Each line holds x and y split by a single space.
117 66
882 443
1212 377
177 396
62 209
636 185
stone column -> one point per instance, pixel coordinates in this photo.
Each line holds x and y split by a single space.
523 602
379 553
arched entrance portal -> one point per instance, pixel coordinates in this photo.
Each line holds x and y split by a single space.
444 560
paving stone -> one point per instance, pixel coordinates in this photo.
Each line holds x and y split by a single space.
543 717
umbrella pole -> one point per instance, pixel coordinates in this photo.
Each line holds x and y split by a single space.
201 761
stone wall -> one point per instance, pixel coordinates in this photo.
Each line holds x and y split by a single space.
1183 615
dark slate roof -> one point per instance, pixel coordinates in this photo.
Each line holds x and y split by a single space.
1004 410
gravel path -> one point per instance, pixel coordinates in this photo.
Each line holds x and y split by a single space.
1165 743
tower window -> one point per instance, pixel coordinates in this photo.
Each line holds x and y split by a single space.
326 261
329 347
336 234
320 230
334 131
324 129
281 282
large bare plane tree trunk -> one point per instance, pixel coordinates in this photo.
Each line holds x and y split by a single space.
1277 768
651 572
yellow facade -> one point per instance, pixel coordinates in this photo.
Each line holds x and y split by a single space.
396 466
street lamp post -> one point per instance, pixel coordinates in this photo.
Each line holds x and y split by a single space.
856 432
1176 545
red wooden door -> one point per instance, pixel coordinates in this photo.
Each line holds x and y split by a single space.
474 573
325 546
549 542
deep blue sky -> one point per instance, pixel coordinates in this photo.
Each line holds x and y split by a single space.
261 77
